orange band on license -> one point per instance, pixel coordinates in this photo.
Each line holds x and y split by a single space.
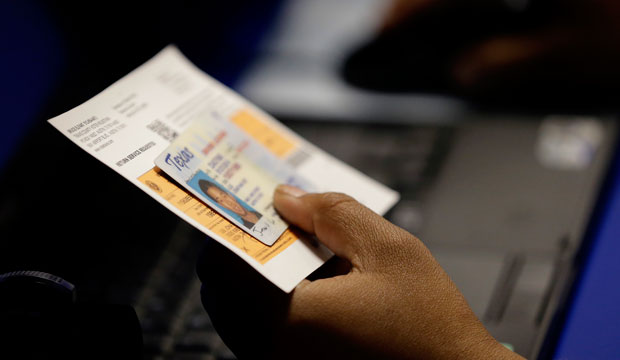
264 134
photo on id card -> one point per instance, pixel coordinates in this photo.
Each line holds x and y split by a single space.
225 201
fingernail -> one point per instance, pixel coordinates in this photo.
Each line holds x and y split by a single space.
290 190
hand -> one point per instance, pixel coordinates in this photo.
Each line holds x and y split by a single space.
575 46
392 301
555 51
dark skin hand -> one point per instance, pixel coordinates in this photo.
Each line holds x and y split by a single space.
382 296
572 46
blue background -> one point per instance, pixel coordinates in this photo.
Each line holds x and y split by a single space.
57 54
592 325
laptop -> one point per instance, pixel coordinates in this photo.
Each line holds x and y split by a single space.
502 200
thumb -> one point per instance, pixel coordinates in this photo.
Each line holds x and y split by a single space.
348 228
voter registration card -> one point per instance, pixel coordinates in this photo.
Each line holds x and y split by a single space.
232 173
218 158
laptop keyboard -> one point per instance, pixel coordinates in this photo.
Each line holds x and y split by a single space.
174 323
405 158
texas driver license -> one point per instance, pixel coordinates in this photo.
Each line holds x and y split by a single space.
232 173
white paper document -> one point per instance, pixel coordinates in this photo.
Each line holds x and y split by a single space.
168 112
